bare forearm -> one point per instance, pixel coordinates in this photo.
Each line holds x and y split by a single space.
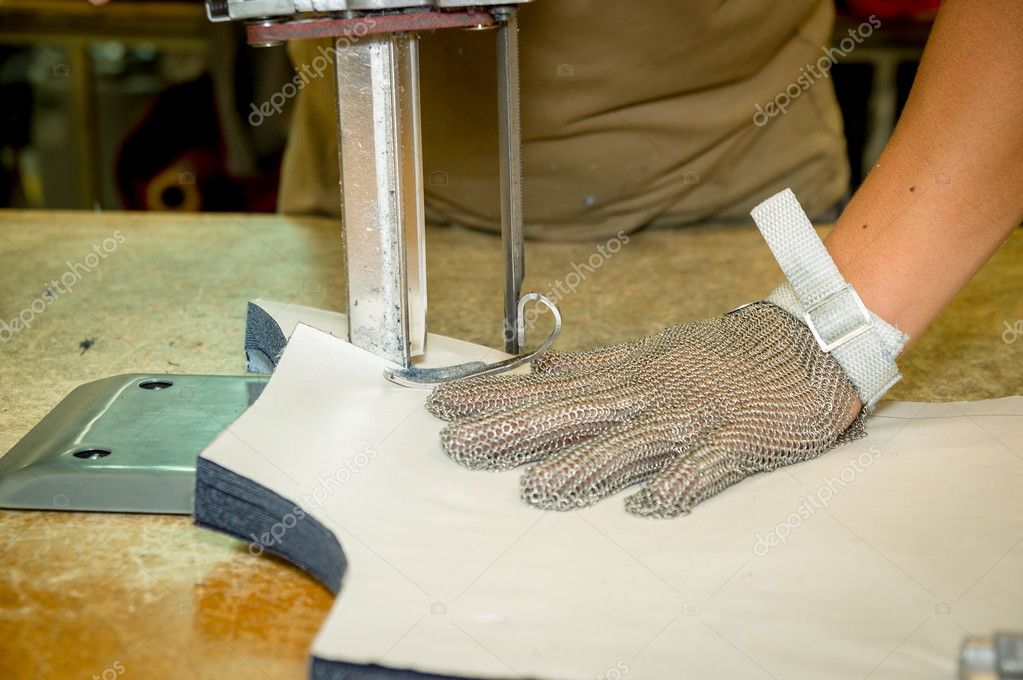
948 188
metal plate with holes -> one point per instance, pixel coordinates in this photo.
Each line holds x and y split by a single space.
128 443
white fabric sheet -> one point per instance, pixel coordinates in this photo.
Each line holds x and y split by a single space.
873 561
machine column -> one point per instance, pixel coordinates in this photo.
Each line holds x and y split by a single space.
383 224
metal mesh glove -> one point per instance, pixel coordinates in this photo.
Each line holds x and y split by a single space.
689 411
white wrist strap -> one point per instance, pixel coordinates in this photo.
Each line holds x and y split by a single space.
864 344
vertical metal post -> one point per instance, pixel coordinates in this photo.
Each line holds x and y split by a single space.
413 199
510 148
380 157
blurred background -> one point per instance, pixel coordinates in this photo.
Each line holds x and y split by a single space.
144 105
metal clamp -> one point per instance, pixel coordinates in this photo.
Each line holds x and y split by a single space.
430 377
858 330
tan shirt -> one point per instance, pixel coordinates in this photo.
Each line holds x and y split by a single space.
633 113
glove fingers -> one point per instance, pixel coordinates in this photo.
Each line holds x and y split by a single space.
628 453
708 469
486 394
504 439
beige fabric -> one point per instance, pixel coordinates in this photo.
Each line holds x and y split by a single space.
633 113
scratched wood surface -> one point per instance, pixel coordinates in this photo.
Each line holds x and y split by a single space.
134 596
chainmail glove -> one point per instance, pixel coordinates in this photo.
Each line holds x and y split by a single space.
696 408
687 412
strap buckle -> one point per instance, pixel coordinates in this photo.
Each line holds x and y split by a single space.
832 343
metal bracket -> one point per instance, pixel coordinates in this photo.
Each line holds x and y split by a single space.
127 443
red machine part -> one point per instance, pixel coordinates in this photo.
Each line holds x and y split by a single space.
329 27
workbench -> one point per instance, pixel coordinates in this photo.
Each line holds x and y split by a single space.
111 595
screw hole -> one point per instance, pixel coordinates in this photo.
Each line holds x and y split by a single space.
91 454
155 384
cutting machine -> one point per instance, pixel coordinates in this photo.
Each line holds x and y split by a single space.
376 60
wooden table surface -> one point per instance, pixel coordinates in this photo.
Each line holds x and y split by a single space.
139 596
